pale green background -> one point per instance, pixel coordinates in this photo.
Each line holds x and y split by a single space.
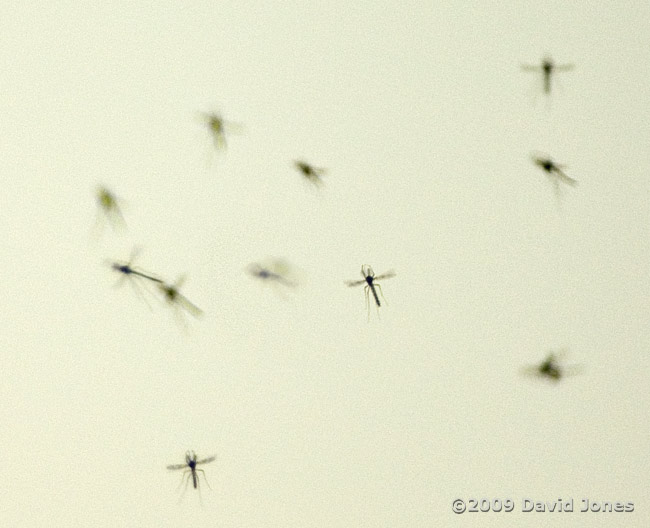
426 122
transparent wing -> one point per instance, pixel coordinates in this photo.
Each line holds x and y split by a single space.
386 275
233 127
179 282
177 466
564 67
531 370
560 353
539 157
355 283
529 67
189 306
174 296
255 269
572 370
218 124
566 179
206 460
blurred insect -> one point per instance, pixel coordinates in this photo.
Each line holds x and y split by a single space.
133 275
217 127
554 171
547 68
276 272
369 279
312 174
109 209
175 298
551 369
191 470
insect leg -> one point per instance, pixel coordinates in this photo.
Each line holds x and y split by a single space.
366 290
204 478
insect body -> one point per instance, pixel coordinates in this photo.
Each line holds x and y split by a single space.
126 269
547 68
276 271
190 468
131 273
311 173
369 279
554 171
174 297
217 127
109 207
551 368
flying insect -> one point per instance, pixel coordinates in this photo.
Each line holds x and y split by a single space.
109 209
276 271
369 279
312 174
547 67
174 297
551 368
133 275
554 171
218 127
191 470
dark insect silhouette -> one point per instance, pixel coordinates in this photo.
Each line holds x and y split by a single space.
551 368
554 171
312 174
547 67
134 275
191 470
174 297
369 279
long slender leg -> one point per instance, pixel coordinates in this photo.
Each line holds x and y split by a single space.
204 478
558 191
136 288
183 479
186 479
547 82
366 290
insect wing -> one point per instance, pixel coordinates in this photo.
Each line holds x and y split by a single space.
572 370
386 275
185 303
355 283
206 460
564 177
177 466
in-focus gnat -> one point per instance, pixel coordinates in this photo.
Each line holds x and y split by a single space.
371 285
191 471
